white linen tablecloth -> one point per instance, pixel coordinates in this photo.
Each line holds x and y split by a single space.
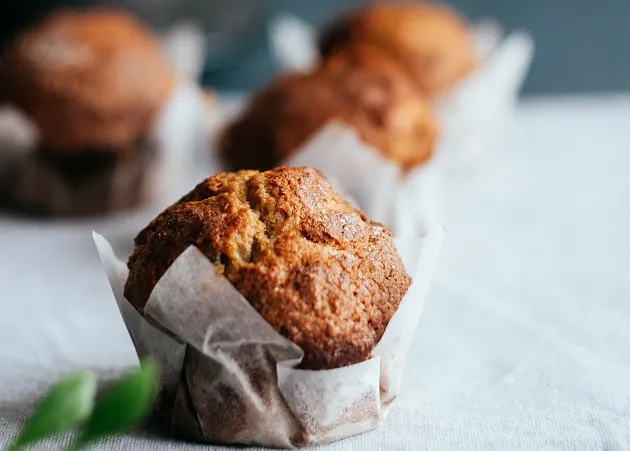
525 338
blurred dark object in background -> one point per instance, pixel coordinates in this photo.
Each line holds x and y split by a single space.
15 15
232 27
581 45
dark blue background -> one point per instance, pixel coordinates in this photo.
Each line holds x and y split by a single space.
582 45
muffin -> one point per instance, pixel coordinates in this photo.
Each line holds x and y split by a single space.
93 83
432 42
312 266
357 85
88 79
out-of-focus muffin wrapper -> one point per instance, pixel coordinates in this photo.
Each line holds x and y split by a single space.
408 202
33 182
473 116
229 377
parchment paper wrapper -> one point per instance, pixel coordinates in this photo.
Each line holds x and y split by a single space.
99 181
185 45
229 377
473 115
87 184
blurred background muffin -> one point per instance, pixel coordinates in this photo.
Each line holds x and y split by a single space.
88 79
92 82
431 41
357 85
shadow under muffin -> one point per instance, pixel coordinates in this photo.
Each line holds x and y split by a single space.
89 183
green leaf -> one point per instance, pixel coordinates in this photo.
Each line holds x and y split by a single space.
67 404
122 406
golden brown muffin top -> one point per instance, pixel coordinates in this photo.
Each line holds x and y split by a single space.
89 78
359 86
430 40
314 267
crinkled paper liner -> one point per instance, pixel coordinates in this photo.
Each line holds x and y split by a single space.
472 116
229 377
80 185
34 183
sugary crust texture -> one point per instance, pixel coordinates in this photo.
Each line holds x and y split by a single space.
431 41
313 266
93 78
359 86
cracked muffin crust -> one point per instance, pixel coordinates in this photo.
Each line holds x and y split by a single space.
314 267
431 41
358 86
